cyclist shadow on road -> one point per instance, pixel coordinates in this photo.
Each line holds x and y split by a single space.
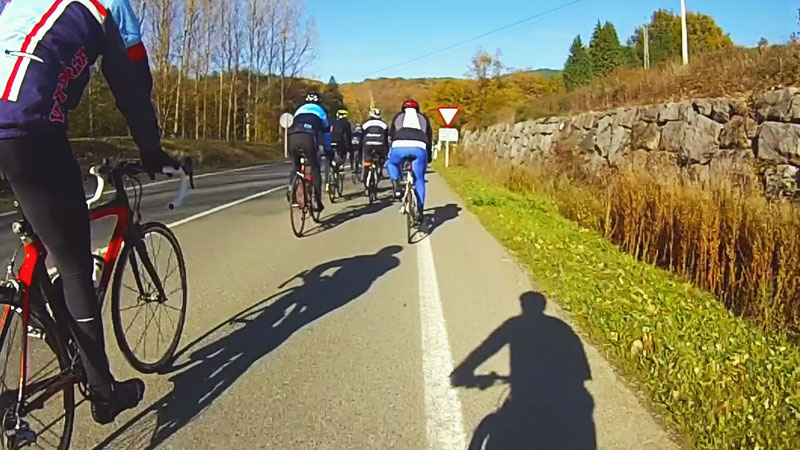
443 214
214 362
347 214
548 406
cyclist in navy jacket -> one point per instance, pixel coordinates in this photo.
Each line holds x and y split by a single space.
46 50
310 132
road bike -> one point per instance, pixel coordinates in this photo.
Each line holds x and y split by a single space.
484 437
304 199
37 398
372 169
335 184
410 205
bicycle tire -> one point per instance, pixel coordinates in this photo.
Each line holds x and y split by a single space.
373 187
126 259
331 185
298 213
311 198
38 380
340 185
411 214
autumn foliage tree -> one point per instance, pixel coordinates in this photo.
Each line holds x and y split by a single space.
220 72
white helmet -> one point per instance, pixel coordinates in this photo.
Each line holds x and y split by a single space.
375 113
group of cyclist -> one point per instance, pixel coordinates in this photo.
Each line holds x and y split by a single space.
408 137
46 50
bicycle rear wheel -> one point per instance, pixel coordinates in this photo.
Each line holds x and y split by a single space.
298 209
311 196
340 184
373 185
411 214
136 304
332 182
48 362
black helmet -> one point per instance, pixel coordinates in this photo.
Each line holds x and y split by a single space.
313 97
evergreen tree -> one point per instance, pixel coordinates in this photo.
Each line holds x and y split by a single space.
605 50
578 68
332 96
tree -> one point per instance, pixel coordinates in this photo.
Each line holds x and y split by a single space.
578 68
605 50
665 36
333 98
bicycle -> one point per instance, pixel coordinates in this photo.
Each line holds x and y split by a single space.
372 169
303 202
410 205
33 308
335 184
484 436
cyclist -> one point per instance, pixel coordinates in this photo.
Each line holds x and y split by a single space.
308 135
376 140
47 49
355 147
341 135
411 137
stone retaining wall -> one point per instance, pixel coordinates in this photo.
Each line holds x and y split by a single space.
704 138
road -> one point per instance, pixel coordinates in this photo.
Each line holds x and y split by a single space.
346 339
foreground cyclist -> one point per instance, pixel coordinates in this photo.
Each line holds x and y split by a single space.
411 138
309 131
47 52
376 141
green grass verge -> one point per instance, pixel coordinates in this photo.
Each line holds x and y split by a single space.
723 382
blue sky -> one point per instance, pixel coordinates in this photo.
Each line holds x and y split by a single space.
357 37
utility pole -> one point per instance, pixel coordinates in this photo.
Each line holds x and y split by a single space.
684 34
646 46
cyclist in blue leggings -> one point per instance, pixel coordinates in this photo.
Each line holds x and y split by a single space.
411 138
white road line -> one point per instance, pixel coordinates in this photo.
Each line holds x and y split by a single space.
442 405
223 207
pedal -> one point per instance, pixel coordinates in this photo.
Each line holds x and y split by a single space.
35 332
21 436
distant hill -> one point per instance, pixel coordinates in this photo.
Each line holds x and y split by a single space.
389 93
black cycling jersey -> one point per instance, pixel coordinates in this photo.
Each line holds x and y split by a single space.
376 133
341 132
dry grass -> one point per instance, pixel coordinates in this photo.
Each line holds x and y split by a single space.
738 73
735 244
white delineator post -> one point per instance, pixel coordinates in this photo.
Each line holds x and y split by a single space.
684 34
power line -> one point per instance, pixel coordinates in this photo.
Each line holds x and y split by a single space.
475 38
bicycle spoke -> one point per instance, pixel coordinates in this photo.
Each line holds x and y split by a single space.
128 308
170 318
155 263
144 335
130 324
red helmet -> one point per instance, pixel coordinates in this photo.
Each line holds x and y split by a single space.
411 103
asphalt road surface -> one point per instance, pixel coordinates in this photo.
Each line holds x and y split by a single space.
346 339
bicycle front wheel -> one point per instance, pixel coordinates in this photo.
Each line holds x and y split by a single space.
148 326
49 423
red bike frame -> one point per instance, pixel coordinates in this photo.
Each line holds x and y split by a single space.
35 254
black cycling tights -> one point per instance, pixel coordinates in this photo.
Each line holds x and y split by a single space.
47 183
305 145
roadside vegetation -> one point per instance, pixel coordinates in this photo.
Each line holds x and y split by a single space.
724 382
206 154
